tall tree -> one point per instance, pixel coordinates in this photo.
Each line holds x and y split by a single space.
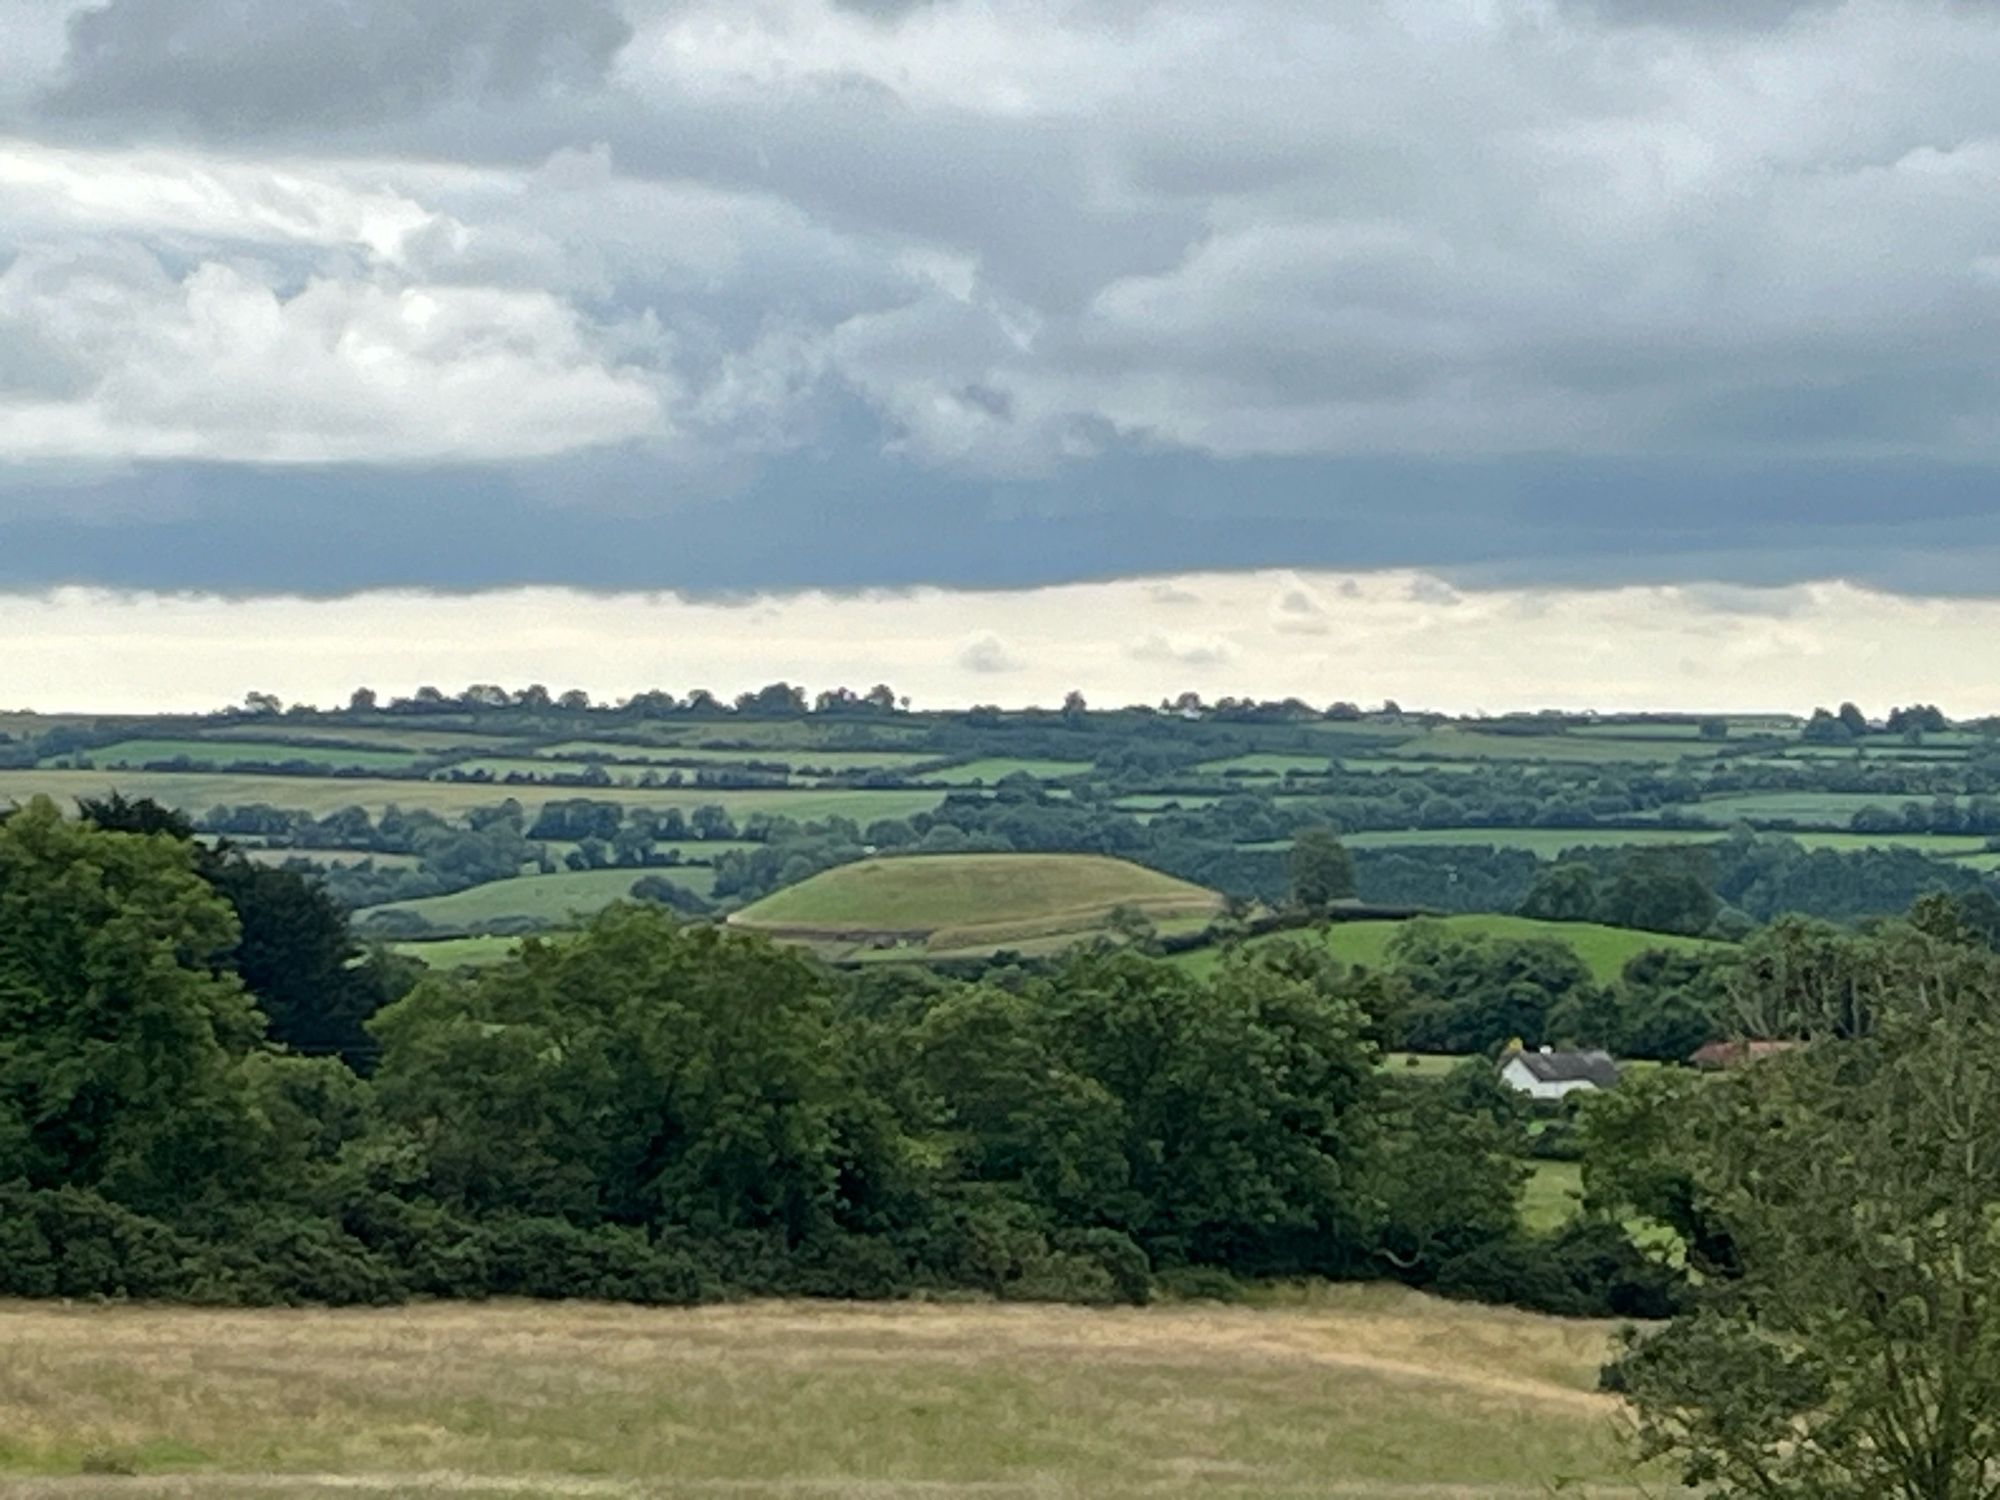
120 1041
1321 869
1856 1352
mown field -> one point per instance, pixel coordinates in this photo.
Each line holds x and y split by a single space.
1604 950
963 901
1360 1393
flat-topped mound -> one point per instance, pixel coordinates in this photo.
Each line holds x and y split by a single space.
962 901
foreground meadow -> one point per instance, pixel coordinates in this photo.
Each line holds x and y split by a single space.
1349 1392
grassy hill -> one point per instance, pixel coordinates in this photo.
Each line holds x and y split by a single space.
1373 1393
966 902
1604 950
546 898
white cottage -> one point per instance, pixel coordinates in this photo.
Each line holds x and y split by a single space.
1548 1074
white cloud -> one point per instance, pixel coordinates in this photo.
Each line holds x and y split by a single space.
184 196
1202 651
221 364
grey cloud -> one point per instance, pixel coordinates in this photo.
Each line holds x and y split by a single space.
988 653
1722 14
231 66
1425 589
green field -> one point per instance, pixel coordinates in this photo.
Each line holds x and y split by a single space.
801 758
1552 1195
1603 950
966 901
1267 765
1453 742
997 768
1344 1393
196 792
1151 802
1545 842
545 898
1821 809
212 752
428 740
459 952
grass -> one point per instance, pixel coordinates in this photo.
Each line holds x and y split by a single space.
1825 809
430 741
197 791
1552 1195
546 898
1455 743
1362 1392
793 757
1550 842
224 752
459 952
1545 842
995 768
966 901
1604 950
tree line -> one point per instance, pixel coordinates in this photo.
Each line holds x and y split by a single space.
668 1112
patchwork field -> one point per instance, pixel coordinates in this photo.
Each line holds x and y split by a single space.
1604 950
1454 742
1360 1393
966 901
213 752
195 792
542 898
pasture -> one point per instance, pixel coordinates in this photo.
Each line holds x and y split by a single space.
1351 1392
798 758
544 898
967 901
1457 742
1603 950
458 952
1808 809
195 792
206 752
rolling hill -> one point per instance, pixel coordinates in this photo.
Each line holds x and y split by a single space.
964 903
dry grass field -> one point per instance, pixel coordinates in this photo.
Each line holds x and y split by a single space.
1349 1392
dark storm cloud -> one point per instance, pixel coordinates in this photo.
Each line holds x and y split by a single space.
893 293
251 65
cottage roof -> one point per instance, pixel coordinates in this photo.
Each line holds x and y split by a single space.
1549 1066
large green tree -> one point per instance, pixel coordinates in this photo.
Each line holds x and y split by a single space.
1320 868
1853 1352
121 1039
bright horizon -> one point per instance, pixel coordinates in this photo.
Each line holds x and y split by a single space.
1322 637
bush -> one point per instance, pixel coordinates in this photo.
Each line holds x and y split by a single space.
69 1242
276 1258
1591 1269
552 1258
1522 1272
1117 1255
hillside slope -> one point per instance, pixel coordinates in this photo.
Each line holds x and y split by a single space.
964 901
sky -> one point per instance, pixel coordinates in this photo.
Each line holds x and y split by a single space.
1642 315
